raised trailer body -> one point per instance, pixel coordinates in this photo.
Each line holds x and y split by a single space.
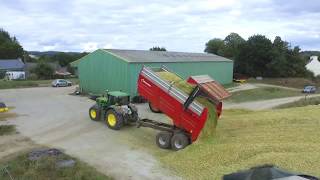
188 115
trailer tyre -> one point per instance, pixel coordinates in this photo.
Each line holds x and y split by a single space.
154 109
94 113
114 119
163 139
179 141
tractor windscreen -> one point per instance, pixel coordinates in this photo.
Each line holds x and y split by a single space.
123 100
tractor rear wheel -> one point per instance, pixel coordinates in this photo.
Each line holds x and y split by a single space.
94 113
163 139
179 141
114 119
154 109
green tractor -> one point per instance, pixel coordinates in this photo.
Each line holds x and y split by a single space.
115 109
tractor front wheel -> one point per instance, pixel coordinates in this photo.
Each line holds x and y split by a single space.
94 113
114 119
179 141
163 139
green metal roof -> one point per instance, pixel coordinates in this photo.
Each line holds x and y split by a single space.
138 56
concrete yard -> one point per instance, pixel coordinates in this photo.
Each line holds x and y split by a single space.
51 117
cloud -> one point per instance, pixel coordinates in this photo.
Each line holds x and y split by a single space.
178 25
90 46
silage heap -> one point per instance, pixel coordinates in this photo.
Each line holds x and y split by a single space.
211 123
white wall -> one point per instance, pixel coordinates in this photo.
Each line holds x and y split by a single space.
314 65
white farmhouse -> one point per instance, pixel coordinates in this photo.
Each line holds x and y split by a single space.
314 65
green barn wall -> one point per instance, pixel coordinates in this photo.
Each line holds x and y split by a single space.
100 71
221 71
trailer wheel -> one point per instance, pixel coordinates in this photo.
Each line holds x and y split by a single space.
114 119
154 109
179 141
163 139
94 113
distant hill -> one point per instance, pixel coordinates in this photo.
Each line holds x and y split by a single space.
50 53
63 58
310 53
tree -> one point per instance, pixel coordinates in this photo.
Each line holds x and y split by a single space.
215 46
157 48
297 64
43 70
232 44
278 67
9 46
260 57
254 55
229 47
63 58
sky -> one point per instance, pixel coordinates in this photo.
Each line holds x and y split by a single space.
177 25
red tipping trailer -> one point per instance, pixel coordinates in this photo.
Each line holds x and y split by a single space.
188 115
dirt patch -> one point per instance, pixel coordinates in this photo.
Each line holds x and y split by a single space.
14 143
7 115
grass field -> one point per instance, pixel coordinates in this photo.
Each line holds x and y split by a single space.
288 82
7 129
20 167
28 83
288 138
301 103
262 94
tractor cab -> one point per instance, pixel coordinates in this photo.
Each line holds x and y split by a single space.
113 98
118 98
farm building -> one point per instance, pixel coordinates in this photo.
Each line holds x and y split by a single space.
314 65
10 65
113 69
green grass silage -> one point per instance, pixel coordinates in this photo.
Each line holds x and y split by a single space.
211 123
288 138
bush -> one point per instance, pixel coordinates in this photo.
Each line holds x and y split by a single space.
2 74
7 129
43 70
32 76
